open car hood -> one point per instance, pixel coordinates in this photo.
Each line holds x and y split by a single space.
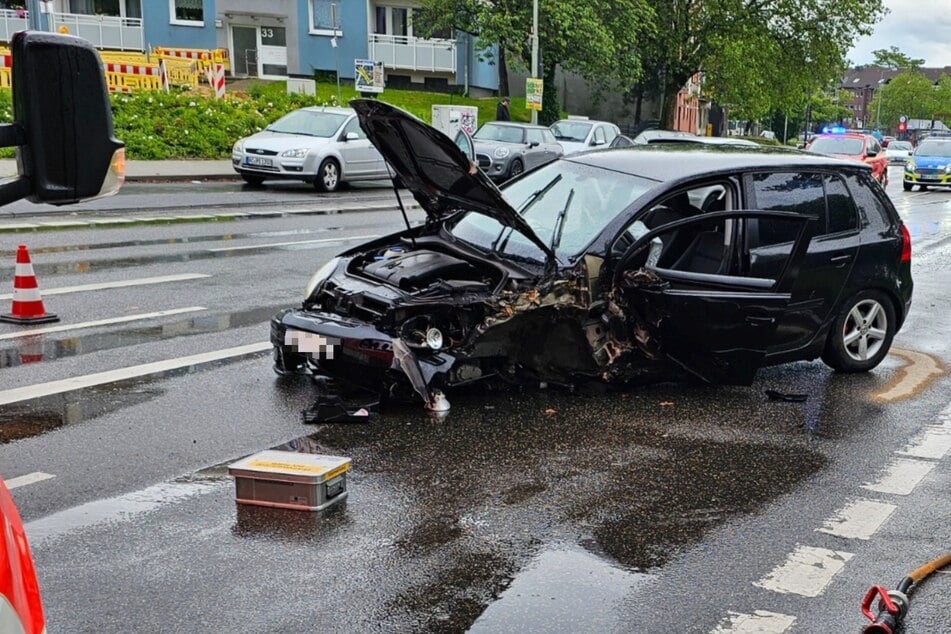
442 178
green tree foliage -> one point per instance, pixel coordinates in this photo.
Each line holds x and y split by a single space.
895 59
599 39
913 95
756 55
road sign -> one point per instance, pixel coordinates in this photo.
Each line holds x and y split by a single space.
902 127
368 75
533 93
903 119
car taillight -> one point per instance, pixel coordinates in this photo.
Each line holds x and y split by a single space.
905 245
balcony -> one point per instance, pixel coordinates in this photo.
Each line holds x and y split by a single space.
413 53
103 31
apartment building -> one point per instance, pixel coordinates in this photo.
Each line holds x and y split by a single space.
277 38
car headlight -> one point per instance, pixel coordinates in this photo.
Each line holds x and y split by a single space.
501 152
434 338
320 276
300 152
238 147
910 166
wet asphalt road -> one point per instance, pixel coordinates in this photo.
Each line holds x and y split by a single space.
650 510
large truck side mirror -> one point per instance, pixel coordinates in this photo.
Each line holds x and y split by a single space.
62 128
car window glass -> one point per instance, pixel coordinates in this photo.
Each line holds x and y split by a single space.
572 131
842 213
872 145
610 133
535 136
933 147
549 137
837 145
580 198
801 193
866 198
354 126
599 135
503 133
309 123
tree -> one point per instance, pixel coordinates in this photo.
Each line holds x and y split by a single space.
756 55
895 59
912 94
596 38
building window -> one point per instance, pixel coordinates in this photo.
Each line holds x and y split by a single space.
323 14
187 12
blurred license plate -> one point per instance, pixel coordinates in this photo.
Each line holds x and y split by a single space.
929 177
257 160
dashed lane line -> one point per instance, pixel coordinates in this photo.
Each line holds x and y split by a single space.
101 322
901 477
806 572
275 245
859 519
30 392
142 281
933 442
30 478
760 622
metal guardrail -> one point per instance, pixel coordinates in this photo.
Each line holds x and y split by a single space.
412 53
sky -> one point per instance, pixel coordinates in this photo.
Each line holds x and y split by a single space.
919 28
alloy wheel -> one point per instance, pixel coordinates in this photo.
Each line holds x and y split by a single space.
865 329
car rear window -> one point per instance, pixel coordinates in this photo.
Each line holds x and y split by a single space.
837 145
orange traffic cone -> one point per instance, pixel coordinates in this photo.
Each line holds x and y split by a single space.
27 303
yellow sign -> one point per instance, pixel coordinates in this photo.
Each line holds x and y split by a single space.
289 466
533 93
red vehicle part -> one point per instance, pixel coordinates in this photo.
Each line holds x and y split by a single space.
21 609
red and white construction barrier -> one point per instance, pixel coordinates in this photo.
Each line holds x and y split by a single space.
184 54
5 61
134 69
216 78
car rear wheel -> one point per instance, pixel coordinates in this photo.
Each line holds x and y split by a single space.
328 176
517 168
861 333
906 186
253 181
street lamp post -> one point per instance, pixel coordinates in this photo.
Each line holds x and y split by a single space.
534 51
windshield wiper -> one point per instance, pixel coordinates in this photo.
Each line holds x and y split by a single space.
560 222
538 193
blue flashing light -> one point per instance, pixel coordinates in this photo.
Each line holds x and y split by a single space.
836 129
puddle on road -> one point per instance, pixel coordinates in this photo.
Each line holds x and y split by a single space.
37 349
557 588
88 266
224 237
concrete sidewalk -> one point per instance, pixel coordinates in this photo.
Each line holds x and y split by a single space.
159 170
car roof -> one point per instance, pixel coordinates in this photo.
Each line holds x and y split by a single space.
331 109
515 124
584 121
675 161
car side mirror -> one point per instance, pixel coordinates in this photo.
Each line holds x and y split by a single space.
598 142
62 123
351 136
871 154
533 144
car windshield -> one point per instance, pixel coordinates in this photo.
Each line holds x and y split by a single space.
899 145
934 148
309 123
564 202
571 130
503 133
837 145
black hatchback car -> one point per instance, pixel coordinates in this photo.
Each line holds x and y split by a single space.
622 265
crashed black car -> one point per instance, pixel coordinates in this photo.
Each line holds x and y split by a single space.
622 265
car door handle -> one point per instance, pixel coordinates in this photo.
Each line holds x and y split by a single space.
840 260
760 321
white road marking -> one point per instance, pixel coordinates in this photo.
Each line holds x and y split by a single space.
287 244
933 442
30 392
760 622
30 478
142 281
806 572
858 520
101 322
902 477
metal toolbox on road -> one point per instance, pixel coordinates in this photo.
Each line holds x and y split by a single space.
291 480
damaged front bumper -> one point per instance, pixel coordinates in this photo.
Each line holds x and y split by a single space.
355 352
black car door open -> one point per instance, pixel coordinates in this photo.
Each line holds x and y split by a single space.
679 285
